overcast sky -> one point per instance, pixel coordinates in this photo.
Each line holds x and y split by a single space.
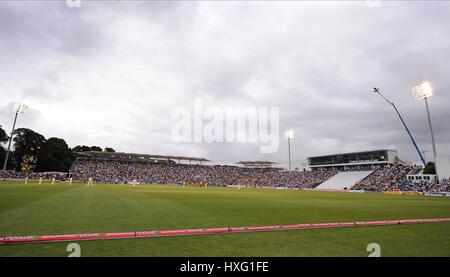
110 73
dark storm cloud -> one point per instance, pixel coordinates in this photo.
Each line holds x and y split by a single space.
111 73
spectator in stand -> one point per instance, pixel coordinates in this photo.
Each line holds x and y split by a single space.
393 177
385 179
9 174
146 172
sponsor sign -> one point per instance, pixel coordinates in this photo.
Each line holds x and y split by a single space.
436 194
171 233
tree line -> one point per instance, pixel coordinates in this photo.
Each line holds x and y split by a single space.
53 154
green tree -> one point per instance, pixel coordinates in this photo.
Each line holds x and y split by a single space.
3 136
429 168
81 148
84 148
3 139
55 155
109 149
26 142
96 148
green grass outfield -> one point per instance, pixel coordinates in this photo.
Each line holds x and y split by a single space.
34 209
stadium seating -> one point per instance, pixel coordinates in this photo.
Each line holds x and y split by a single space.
344 180
108 171
388 178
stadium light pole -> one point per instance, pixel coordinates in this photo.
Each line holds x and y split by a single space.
20 109
289 135
423 91
377 90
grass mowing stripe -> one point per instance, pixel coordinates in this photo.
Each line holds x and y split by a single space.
63 209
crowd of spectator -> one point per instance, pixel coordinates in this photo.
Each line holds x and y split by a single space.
386 178
293 179
145 172
443 186
11 174
417 186
393 178
425 186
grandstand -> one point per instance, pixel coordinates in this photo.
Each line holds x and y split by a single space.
353 167
256 164
132 157
379 170
366 160
125 168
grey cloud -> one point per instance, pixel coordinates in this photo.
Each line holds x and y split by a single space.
318 62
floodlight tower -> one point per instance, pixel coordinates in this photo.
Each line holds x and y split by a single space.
20 109
289 135
423 91
377 90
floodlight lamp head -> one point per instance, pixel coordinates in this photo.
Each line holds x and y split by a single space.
22 108
422 91
289 134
